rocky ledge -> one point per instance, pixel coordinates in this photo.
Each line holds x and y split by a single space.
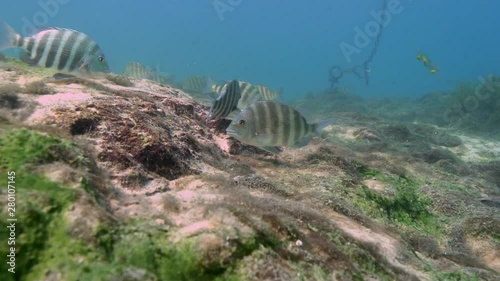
122 180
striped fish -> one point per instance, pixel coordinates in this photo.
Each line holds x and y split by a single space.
139 71
267 124
226 102
63 49
249 94
266 93
195 84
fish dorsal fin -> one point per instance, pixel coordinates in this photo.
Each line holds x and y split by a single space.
45 28
279 93
208 89
223 92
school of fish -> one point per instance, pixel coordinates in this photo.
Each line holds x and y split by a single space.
258 119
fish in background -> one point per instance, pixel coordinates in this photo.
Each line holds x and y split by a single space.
138 70
250 94
195 84
63 49
269 124
427 62
226 102
267 94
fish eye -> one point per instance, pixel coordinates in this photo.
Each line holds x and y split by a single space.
100 58
242 122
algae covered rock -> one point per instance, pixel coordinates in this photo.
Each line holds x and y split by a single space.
127 182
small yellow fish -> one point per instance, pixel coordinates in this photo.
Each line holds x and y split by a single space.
427 62
423 58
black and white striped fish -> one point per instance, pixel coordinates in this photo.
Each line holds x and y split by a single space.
195 84
63 49
267 124
267 94
249 93
227 101
138 70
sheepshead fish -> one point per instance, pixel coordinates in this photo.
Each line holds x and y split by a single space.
227 101
62 49
268 124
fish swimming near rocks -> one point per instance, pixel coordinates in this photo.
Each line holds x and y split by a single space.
226 102
62 49
137 70
268 124
195 84
249 93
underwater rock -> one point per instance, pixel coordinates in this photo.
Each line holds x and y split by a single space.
120 80
37 88
129 183
397 133
366 134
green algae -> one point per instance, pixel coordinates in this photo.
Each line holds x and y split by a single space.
39 201
405 206
44 246
366 264
22 147
455 276
15 63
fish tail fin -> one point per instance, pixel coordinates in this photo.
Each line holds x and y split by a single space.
8 36
319 126
279 93
208 87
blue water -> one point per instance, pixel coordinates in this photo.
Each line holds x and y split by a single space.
288 45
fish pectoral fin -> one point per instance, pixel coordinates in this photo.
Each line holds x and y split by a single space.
272 149
212 96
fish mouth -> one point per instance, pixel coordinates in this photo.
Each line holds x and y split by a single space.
231 132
